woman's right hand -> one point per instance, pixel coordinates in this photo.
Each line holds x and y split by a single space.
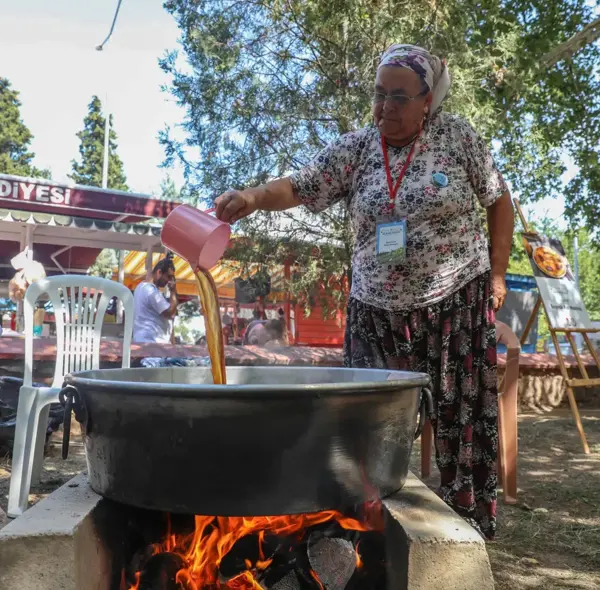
234 205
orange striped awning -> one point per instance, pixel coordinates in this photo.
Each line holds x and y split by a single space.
223 274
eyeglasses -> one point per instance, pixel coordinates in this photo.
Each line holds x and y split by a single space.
399 99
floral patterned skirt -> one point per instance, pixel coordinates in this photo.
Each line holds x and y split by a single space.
454 341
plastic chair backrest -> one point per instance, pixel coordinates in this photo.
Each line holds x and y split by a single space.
79 303
506 336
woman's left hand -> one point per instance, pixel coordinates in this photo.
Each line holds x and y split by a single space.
498 291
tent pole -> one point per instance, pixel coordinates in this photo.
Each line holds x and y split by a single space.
26 242
149 263
121 278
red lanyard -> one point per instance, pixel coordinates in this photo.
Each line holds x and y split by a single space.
394 187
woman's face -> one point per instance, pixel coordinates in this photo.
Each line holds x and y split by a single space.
399 120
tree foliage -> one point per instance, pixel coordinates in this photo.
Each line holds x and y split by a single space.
15 137
267 84
88 170
170 192
105 264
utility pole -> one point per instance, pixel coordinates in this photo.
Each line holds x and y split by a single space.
106 144
106 156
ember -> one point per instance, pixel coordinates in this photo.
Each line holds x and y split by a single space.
322 551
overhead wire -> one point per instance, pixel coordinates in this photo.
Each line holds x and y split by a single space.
112 27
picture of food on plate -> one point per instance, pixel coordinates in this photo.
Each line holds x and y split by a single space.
550 262
548 257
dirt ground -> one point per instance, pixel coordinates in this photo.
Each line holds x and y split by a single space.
56 472
550 540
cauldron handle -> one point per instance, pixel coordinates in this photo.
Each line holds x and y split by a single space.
71 400
425 410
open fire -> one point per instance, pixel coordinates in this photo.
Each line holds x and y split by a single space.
323 550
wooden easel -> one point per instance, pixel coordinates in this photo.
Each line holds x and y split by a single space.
571 384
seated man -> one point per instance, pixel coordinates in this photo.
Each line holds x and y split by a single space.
153 312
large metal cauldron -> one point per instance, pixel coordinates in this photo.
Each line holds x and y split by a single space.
275 440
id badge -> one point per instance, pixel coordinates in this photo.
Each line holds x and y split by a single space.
391 240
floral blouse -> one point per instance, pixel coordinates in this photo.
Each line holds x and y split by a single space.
446 246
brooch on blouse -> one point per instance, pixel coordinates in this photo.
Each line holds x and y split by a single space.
440 179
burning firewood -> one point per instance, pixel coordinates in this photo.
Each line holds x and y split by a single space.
317 551
333 559
288 582
160 572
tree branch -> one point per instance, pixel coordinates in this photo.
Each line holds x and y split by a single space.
587 35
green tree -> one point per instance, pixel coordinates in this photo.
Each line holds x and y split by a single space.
15 137
267 84
88 170
170 192
105 264
168 189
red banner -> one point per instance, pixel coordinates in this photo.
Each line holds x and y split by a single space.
38 193
49 197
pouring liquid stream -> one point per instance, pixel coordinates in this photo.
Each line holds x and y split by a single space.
207 291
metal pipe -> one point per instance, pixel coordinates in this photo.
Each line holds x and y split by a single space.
58 253
26 243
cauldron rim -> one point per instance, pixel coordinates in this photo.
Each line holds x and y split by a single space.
394 381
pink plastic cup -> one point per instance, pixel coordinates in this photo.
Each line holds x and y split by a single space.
196 236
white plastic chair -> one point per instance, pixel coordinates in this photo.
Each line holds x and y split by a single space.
79 303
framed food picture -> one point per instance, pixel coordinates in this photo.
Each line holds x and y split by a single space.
550 262
556 282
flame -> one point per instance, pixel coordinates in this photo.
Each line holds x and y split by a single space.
244 581
137 581
215 536
359 562
315 577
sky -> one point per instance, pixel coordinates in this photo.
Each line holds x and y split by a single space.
47 51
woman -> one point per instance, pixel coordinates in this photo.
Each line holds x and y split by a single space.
425 284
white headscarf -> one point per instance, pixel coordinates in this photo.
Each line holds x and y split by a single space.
430 68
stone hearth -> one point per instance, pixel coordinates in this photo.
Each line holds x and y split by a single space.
57 544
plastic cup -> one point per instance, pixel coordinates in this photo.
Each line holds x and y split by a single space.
196 236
